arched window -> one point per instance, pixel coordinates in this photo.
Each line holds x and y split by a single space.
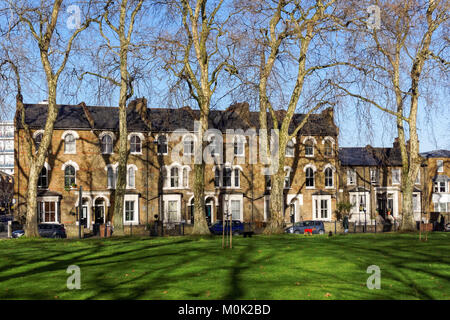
309 148
69 143
162 144
164 177
237 181
290 148
309 177
217 177
43 178
328 148
287 178
328 177
131 177
238 145
111 178
185 177
188 146
135 144
37 140
174 177
107 144
213 147
227 177
69 176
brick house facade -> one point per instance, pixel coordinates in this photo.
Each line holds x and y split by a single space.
83 152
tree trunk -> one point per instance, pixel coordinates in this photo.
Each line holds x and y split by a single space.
36 164
118 216
276 222
200 224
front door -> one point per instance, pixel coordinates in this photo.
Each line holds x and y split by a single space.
84 215
208 211
99 214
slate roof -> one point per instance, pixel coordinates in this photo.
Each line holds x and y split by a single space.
436 154
165 120
369 156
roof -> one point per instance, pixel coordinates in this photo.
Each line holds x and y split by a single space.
236 116
369 156
436 154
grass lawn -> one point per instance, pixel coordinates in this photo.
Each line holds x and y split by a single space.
279 267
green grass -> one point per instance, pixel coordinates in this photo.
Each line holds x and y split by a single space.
279 267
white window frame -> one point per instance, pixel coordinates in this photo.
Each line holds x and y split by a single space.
49 199
357 204
314 143
374 173
114 170
135 198
112 136
239 140
185 138
235 197
75 136
440 165
75 166
166 199
232 177
351 177
135 169
318 198
167 184
399 176
333 169
292 148
314 169
141 143
158 144
330 140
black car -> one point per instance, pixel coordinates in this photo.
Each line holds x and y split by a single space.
46 230
317 227
52 230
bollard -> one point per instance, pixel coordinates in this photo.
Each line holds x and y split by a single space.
9 229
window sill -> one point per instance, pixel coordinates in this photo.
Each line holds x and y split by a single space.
332 187
136 153
107 153
128 223
309 156
310 188
70 152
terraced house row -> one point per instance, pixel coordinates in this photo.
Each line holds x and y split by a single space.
84 151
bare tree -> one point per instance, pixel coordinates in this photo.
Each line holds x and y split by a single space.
394 53
195 55
120 20
287 42
42 23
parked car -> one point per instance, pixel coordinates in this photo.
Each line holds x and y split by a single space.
447 227
237 227
317 227
17 233
46 230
